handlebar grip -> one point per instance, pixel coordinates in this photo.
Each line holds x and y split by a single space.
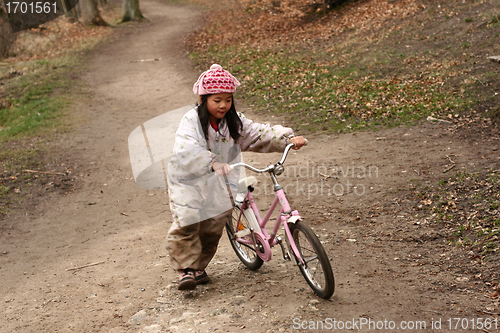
305 144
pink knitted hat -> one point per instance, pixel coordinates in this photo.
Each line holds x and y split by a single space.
215 81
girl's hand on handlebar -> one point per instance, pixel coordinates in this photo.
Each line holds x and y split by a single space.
299 142
221 168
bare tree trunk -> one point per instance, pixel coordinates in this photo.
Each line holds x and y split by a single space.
103 3
7 37
131 11
69 12
78 10
83 13
95 16
73 13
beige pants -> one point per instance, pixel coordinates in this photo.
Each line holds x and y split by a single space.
193 246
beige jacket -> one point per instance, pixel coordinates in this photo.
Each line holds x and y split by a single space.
196 192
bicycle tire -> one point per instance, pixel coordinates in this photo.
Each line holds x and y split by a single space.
310 248
247 255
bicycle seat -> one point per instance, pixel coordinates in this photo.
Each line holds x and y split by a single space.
245 182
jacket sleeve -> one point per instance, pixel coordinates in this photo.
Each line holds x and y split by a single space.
263 138
191 150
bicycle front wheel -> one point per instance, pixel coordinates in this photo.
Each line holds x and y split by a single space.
316 268
245 252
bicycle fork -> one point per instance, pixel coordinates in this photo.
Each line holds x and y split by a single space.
295 250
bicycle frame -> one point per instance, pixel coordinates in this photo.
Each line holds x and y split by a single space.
286 215
249 202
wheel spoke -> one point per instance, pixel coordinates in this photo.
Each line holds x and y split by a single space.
247 246
245 252
316 268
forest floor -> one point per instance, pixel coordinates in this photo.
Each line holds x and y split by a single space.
86 253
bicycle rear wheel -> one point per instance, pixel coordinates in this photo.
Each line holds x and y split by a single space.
316 269
245 252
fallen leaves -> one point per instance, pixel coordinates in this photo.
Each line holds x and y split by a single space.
495 294
468 204
268 22
340 71
55 38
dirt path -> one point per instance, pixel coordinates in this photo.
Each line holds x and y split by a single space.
389 263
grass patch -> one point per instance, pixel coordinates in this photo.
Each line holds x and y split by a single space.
466 204
35 101
37 89
495 113
342 74
325 95
35 111
4 189
21 155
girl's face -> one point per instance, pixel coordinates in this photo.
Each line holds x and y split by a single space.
218 105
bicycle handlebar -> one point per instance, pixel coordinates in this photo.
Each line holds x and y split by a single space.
269 167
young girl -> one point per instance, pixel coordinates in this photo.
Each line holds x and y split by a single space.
209 138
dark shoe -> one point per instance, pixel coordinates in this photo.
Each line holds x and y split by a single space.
201 277
186 280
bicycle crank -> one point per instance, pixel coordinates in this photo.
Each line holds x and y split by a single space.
261 245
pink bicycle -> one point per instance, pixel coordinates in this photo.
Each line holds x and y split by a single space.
252 243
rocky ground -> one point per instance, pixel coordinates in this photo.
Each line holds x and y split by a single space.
92 258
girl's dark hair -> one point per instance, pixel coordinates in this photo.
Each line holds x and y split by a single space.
232 119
